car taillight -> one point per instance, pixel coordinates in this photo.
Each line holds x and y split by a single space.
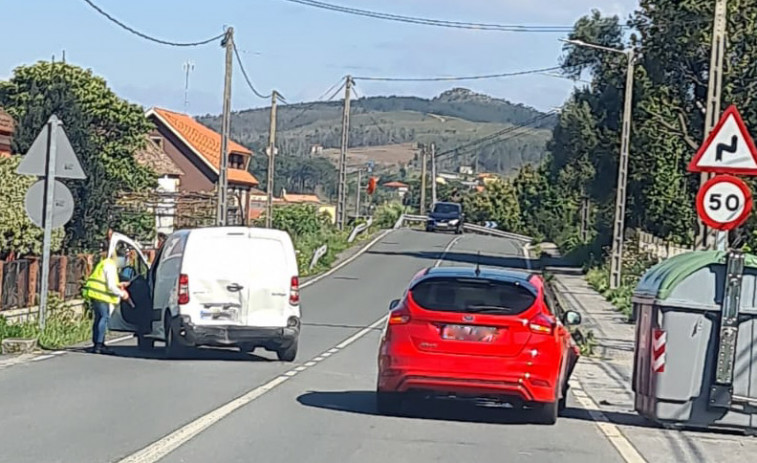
183 289
399 316
294 291
541 324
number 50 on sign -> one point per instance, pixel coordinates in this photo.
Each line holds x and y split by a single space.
724 202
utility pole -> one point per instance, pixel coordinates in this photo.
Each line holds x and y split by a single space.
423 180
357 192
341 212
433 173
223 180
616 257
616 263
188 68
710 238
271 161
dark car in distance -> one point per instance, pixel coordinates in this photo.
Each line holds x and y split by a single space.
446 216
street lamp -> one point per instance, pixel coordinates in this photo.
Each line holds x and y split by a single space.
616 259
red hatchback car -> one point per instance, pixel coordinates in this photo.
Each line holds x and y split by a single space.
477 333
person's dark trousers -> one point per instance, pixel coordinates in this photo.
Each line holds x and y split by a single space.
101 312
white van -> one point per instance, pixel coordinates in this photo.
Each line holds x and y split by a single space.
219 286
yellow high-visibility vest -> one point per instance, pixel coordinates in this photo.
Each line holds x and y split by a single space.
97 288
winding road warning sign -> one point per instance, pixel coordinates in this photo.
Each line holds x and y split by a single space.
724 202
729 149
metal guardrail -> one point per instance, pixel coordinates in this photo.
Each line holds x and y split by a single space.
320 252
469 227
360 229
494 232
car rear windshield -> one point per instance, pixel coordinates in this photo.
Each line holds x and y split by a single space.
472 295
446 208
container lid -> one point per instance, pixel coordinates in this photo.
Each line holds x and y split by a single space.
660 280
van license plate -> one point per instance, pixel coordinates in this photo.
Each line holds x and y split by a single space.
469 333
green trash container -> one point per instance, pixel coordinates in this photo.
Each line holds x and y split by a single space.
684 373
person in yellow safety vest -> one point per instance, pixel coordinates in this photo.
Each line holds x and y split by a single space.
103 290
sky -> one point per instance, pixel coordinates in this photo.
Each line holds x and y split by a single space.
298 50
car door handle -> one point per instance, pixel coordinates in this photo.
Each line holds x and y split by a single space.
234 287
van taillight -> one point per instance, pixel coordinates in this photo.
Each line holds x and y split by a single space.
294 291
183 289
541 324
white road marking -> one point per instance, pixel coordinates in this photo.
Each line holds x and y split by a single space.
446 251
42 357
310 364
346 261
624 447
176 439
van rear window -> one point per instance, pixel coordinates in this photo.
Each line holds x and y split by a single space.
472 295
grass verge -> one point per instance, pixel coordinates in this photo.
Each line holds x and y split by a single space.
63 326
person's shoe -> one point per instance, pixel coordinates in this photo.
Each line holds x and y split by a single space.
105 350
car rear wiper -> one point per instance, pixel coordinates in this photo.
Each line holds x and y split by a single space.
488 309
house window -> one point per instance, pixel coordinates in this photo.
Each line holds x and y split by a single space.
158 141
236 161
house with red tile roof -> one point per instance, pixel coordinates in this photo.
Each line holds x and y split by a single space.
7 127
196 150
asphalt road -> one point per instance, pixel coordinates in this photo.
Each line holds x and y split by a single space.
81 408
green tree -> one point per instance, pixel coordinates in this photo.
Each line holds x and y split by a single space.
498 202
105 132
17 232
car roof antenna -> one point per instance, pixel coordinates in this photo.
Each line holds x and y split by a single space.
478 264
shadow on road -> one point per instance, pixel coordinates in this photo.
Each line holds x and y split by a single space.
363 403
195 354
467 258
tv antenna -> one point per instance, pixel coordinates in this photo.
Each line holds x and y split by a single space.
188 68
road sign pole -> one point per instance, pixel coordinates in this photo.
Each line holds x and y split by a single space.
47 214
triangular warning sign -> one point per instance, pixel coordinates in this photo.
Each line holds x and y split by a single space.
729 149
66 162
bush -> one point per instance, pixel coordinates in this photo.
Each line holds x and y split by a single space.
63 326
388 214
635 264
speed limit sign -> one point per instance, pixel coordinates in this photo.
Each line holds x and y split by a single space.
724 202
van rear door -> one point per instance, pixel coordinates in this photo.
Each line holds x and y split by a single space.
236 279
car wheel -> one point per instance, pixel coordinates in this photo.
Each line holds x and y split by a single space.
562 404
288 354
389 403
145 344
546 413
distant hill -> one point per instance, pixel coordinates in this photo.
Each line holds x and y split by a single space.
454 118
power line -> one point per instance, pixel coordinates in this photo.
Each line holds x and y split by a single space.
308 106
247 77
493 137
459 78
150 38
432 22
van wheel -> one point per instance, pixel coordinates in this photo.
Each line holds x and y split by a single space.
173 349
288 354
145 344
